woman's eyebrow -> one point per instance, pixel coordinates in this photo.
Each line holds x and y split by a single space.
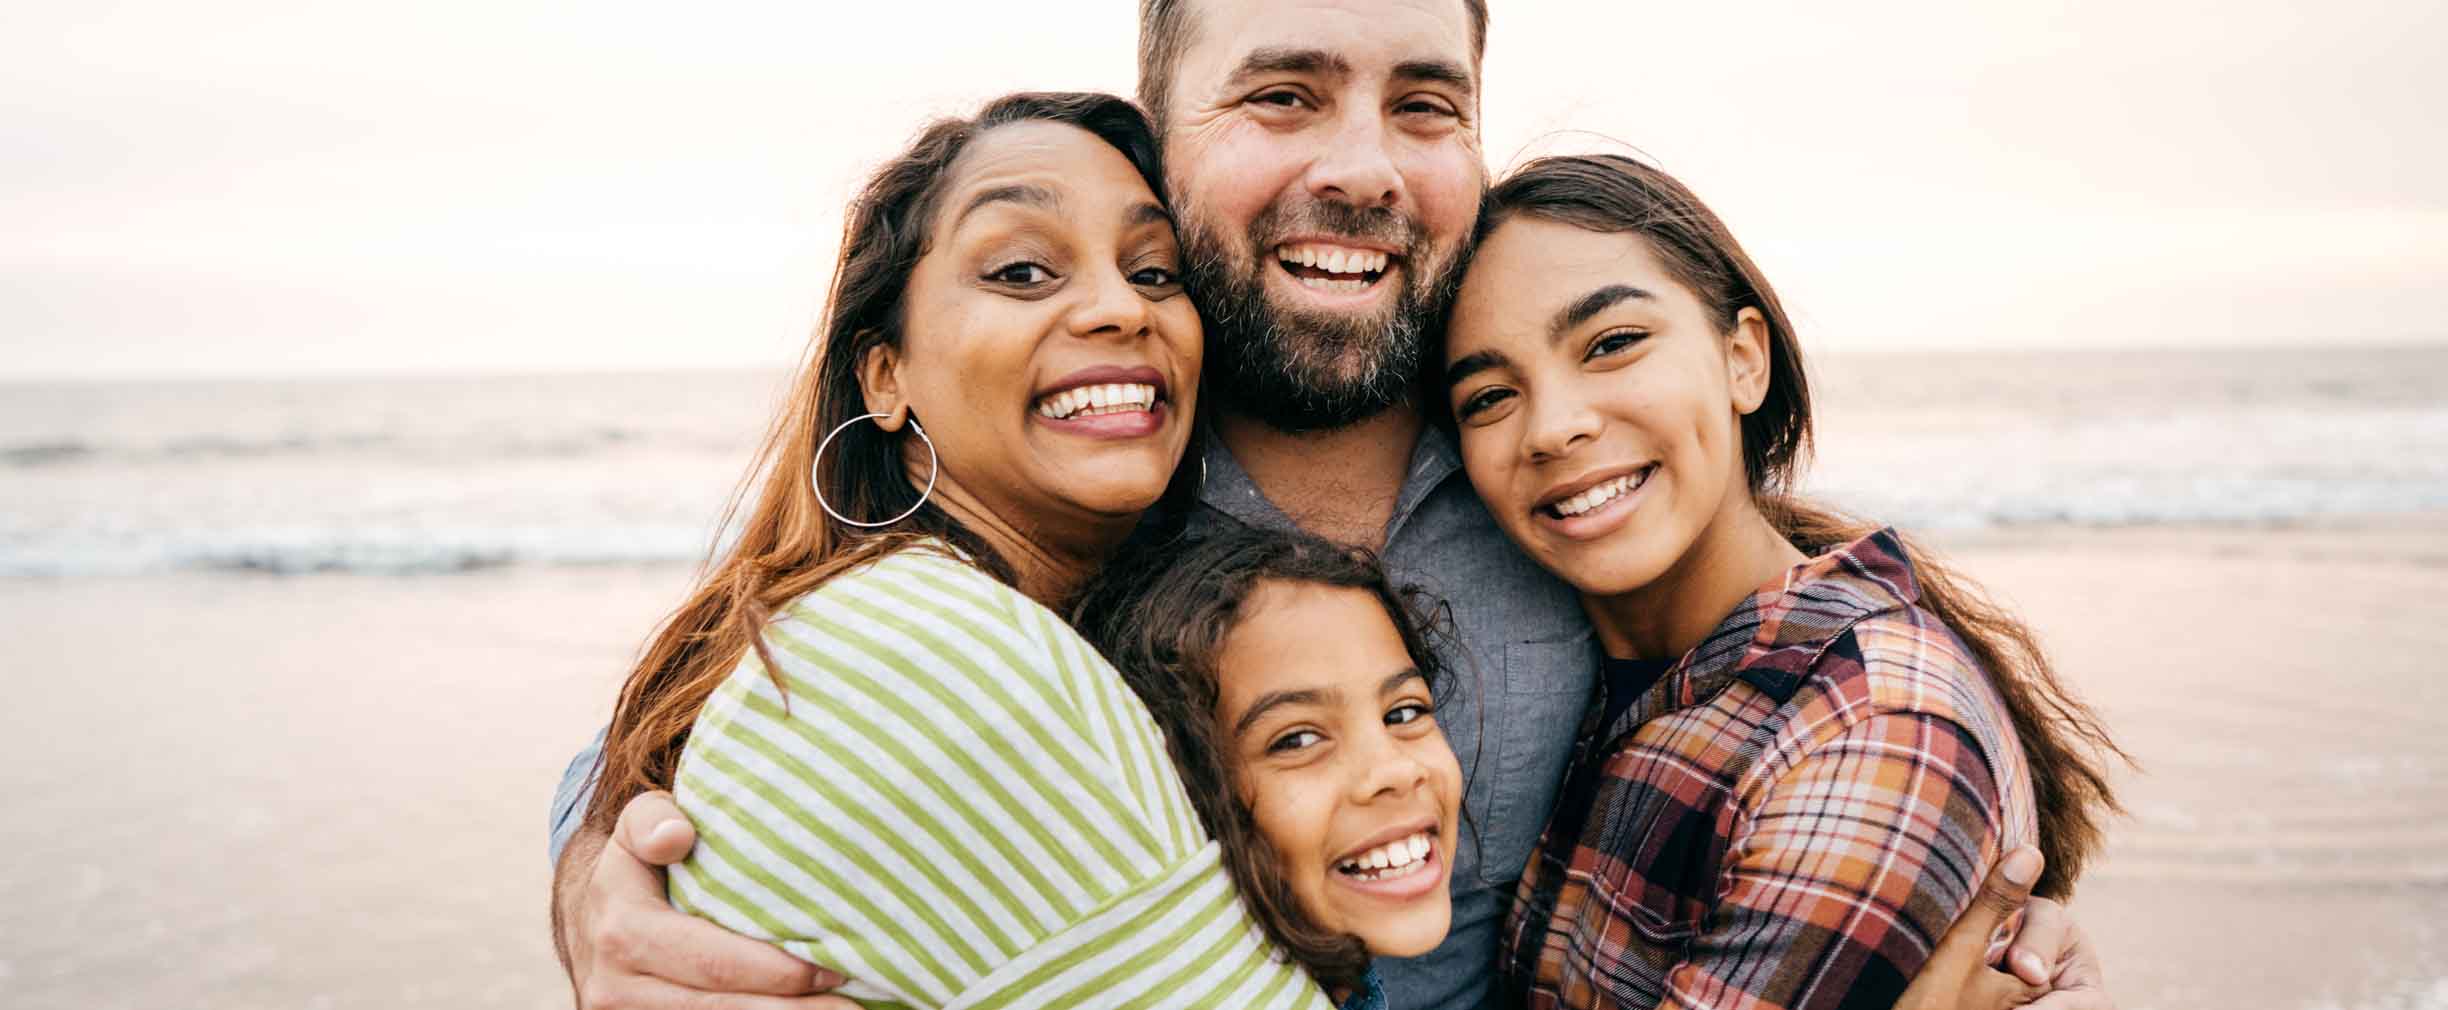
1021 193
1149 213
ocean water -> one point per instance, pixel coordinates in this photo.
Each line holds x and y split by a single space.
444 474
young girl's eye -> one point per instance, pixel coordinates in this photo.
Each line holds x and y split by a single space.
1406 713
1023 273
1613 342
1295 740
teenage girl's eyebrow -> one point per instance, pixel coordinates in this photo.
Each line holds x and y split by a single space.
1591 304
1020 193
1277 699
1473 364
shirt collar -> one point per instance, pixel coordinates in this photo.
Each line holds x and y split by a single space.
1779 632
1227 488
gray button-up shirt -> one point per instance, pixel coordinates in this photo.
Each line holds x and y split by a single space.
1517 695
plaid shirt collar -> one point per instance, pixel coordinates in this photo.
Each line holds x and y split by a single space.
1775 635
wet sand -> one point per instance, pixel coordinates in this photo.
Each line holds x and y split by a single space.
329 791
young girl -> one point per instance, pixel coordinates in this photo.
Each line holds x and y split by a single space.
1292 682
1811 740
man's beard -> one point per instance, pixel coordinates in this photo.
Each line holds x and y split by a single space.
1299 369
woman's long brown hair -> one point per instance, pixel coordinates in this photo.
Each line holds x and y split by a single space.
787 546
2064 741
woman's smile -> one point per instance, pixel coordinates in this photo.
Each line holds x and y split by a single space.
1108 401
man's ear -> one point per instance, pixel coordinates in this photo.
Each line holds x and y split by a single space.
880 385
1747 361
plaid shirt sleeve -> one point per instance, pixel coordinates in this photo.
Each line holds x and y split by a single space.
1853 854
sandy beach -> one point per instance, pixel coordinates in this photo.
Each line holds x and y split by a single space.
234 791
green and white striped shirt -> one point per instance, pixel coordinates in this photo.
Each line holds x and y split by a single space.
958 803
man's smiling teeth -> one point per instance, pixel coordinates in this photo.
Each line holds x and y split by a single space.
1332 267
1398 858
1602 494
1090 401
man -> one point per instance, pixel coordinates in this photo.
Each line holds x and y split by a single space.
1323 160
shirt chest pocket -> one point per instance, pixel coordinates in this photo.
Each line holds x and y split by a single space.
1531 725
1659 833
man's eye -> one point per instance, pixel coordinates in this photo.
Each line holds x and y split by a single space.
1281 99
1406 713
1295 740
1021 273
1482 400
1426 108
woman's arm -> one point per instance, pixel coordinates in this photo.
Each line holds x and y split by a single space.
944 801
1846 869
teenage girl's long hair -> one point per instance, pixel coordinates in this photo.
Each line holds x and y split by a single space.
787 546
2064 741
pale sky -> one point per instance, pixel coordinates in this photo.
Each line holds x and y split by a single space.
259 186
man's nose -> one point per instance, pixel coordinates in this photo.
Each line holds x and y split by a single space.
1357 167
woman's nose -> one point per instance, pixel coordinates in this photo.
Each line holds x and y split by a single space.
1111 307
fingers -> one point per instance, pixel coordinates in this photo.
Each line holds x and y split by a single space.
2003 893
653 829
2042 942
693 953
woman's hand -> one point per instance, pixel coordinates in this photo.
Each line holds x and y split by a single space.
626 947
2054 966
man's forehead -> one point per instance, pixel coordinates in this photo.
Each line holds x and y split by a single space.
1364 37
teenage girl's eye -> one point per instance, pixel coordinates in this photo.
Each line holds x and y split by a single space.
1481 400
1295 740
1023 273
1613 342
1407 712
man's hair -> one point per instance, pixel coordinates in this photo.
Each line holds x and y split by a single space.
1165 30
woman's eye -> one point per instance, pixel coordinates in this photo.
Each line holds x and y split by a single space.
1613 342
1412 712
1295 740
1155 277
1021 273
1482 400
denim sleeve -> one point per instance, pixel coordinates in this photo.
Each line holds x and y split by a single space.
570 799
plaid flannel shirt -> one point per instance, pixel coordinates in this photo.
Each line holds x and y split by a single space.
1789 818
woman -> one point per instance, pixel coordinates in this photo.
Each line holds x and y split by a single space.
1812 739
900 765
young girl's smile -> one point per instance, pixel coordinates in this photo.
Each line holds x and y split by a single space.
1341 762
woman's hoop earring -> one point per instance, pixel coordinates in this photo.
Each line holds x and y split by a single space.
816 485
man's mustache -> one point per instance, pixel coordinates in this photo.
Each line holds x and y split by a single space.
1329 219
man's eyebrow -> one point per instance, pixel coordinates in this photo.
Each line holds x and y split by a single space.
1277 699
1020 193
1287 60
1473 364
1591 304
1444 72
